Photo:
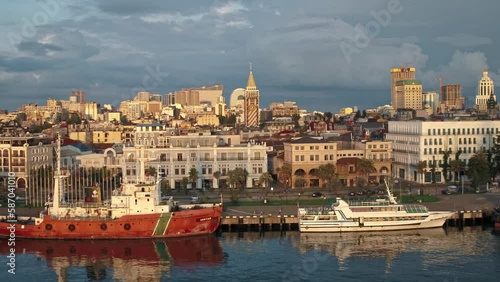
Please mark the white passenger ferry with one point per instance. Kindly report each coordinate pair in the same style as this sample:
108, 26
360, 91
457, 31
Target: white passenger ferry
379, 215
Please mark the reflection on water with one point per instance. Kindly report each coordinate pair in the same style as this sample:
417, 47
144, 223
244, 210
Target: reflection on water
436, 246
123, 260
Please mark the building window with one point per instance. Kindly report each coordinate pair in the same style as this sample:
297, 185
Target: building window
311, 157
240, 156
302, 158
425, 141
223, 156
179, 156
297, 158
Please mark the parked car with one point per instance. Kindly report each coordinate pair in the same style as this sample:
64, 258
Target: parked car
446, 192
195, 199
317, 194
352, 193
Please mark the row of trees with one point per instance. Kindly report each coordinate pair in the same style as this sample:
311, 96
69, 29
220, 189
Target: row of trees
482, 167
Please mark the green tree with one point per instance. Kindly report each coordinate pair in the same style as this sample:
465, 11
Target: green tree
184, 184
295, 119
477, 169
266, 179
446, 165
328, 115
165, 187
300, 182
363, 115
327, 174
433, 169
237, 177
193, 177
365, 167
360, 182
285, 173
358, 115
456, 166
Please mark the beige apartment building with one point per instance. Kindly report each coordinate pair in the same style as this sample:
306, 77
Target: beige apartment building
20, 155
408, 94
306, 154
398, 74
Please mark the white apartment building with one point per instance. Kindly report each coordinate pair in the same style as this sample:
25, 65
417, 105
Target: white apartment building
157, 146
415, 141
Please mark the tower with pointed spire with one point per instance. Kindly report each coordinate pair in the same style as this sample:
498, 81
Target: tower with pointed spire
485, 91
251, 102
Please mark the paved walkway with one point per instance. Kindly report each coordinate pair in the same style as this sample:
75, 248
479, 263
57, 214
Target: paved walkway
446, 203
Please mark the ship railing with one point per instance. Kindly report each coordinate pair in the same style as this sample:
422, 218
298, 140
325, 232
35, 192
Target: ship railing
416, 209
315, 210
366, 203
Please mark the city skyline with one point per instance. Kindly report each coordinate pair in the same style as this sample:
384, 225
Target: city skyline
112, 49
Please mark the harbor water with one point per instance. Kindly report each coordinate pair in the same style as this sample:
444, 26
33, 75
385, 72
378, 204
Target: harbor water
452, 254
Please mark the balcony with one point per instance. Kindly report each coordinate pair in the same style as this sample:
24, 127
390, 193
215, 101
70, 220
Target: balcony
207, 159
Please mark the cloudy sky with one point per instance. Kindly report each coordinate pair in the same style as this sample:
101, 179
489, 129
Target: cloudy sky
324, 55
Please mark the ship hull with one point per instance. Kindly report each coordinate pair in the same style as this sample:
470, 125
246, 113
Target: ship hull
327, 226
157, 225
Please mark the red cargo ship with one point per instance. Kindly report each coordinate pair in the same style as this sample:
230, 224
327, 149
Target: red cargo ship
131, 260
136, 211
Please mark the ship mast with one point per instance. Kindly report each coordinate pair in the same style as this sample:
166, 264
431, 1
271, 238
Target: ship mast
57, 178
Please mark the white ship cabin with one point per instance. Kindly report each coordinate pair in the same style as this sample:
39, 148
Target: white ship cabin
139, 198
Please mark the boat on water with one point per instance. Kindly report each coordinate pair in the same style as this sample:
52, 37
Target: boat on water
137, 210
379, 215
124, 260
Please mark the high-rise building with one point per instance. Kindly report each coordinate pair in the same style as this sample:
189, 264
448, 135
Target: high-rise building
79, 96
398, 74
408, 94
485, 89
452, 97
251, 102
142, 96
197, 96
430, 101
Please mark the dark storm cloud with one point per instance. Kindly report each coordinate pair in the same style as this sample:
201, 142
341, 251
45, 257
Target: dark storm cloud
37, 49
106, 47
134, 7
27, 64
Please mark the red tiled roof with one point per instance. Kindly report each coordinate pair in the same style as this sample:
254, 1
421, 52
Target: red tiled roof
345, 161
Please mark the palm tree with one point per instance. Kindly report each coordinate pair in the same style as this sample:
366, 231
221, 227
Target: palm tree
456, 167
217, 175
421, 167
266, 179
184, 184
285, 173
365, 166
237, 177
327, 174
193, 177
300, 182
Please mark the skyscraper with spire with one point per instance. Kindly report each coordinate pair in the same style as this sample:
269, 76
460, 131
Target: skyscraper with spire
251, 102
485, 90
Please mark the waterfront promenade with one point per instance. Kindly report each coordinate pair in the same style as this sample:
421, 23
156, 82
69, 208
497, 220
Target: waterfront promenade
455, 202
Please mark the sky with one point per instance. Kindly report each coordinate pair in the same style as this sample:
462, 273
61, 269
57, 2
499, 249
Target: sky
322, 54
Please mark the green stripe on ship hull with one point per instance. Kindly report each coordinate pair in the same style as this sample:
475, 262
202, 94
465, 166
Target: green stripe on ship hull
162, 224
